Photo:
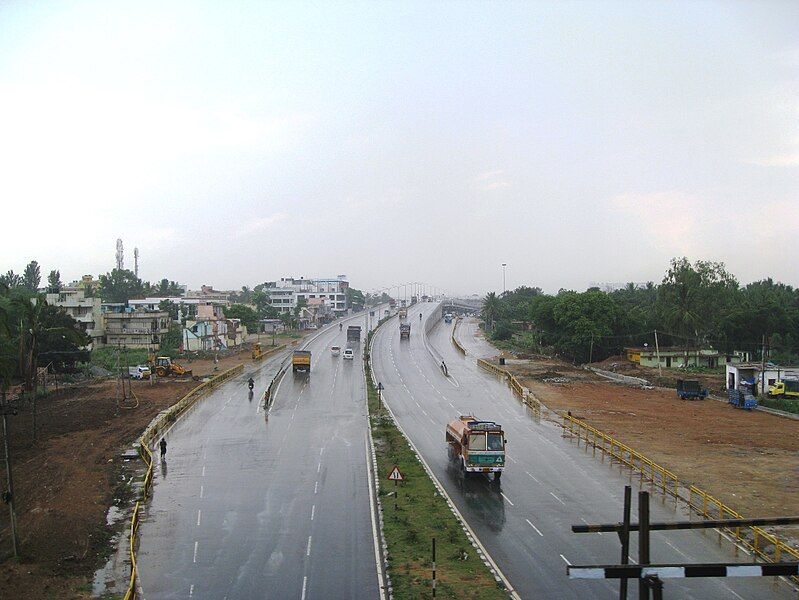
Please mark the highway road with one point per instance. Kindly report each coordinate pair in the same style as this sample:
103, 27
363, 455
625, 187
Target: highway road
549, 483
267, 504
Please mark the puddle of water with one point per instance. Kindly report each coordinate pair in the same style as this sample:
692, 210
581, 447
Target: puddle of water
114, 514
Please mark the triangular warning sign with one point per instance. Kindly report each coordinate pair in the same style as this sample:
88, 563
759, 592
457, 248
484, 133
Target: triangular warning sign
395, 475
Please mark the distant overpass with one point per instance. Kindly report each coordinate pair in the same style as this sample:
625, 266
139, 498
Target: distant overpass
467, 305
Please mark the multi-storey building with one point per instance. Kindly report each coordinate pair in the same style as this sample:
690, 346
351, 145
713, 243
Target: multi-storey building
285, 294
86, 311
134, 328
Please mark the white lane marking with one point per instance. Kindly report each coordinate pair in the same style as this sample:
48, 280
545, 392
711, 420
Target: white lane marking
531, 477
313, 511
203, 471
586, 522
534, 527
199, 516
565, 560
195, 550
506, 498
308, 548
424, 411
558, 499
319, 466
315, 487
321, 450
191, 590
513, 460
304, 583
202, 491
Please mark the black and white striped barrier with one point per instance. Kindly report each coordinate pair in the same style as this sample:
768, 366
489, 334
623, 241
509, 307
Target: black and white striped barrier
784, 569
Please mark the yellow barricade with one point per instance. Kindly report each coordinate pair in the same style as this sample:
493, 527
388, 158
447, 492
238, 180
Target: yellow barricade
455, 342
154, 429
765, 545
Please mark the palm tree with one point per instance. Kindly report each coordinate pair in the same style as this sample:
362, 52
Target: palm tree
492, 306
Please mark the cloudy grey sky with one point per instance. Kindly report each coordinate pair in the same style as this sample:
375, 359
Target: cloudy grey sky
234, 143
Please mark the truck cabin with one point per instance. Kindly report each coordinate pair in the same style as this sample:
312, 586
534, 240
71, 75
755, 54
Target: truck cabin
484, 436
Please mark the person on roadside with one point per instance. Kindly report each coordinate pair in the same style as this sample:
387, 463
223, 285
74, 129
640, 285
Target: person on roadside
163, 448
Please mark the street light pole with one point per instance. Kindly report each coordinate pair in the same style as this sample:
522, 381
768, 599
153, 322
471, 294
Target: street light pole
503, 278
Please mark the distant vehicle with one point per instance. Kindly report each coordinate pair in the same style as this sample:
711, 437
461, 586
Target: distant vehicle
405, 331
403, 313
688, 389
312, 326
354, 333
349, 354
480, 445
448, 318
139, 372
335, 350
788, 388
301, 361
163, 367
741, 399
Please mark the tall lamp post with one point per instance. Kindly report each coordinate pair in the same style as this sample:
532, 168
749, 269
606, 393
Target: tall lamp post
503, 278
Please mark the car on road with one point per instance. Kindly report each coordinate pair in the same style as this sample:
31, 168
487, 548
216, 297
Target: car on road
335, 350
349, 354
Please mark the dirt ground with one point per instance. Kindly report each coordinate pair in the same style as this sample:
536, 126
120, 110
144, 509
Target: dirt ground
747, 459
65, 482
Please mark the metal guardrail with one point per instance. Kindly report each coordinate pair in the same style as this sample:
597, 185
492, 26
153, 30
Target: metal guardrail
455, 342
154, 429
522, 392
762, 543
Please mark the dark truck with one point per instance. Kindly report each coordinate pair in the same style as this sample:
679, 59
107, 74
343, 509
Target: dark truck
354, 333
688, 389
405, 331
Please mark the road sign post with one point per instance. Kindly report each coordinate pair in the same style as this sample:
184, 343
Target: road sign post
395, 476
380, 389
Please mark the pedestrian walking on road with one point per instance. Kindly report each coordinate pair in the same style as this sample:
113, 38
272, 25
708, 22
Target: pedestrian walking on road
163, 448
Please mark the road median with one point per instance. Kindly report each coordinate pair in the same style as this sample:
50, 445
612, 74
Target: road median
416, 511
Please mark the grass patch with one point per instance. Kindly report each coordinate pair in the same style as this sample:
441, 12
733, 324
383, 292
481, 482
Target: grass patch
787, 404
106, 357
421, 515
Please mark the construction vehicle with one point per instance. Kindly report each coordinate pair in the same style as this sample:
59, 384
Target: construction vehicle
740, 399
788, 388
479, 445
354, 333
688, 389
164, 367
301, 361
405, 331
403, 313
257, 351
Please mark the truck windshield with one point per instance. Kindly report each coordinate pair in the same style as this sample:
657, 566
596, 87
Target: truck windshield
477, 441
495, 441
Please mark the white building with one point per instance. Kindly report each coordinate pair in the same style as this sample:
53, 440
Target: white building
86, 311
286, 293
755, 376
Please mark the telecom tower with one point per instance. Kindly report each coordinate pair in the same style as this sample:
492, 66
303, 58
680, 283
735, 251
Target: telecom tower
120, 256
136, 262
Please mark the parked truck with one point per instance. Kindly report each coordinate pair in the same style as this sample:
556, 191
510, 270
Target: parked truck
741, 399
405, 331
354, 333
403, 313
788, 388
139, 372
688, 389
478, 445
301, 361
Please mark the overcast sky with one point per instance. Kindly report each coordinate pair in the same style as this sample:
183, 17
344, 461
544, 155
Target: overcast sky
234, 143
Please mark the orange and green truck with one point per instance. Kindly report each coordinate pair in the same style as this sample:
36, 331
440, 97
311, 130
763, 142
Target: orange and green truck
479, 445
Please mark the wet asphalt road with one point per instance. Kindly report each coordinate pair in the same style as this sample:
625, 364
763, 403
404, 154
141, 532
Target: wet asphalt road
267, 504
548, 485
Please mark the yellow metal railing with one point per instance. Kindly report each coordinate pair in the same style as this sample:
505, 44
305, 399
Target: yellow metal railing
764, 544
455, 341
522, 392
154, 429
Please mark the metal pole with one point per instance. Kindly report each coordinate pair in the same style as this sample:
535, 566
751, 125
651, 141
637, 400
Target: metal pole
643, 541
624, 535
434, 567
10, 497
657, 353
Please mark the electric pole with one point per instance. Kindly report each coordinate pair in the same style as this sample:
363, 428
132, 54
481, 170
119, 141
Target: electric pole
8, 495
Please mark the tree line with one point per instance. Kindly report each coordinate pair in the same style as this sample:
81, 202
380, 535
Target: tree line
696, 305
